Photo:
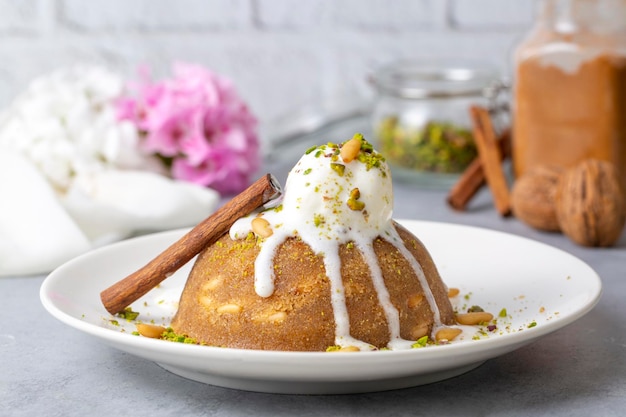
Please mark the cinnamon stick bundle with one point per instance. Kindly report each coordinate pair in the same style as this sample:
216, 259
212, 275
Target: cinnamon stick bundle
123, 293
487, 167
491, 159
473, 178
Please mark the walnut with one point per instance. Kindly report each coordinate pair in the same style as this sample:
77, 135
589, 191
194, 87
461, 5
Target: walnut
533, 197
591, 204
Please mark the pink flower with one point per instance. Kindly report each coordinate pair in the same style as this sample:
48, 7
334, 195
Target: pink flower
198, 125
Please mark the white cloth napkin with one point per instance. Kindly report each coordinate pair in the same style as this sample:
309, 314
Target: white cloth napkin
41, 229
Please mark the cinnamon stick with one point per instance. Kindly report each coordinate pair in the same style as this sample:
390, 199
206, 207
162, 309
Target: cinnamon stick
473, 178
491, 159
125, 292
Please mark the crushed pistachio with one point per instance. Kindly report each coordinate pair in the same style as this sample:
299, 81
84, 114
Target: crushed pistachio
128, 314
334, 348
502, 313
532, 324
421, 342
311, 149
338, 168
171, 336
366, 146
318, 220
355, 204
475, 309
308, 171
371, 160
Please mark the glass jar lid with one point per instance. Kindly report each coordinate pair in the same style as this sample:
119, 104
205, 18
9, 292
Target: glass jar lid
433, 79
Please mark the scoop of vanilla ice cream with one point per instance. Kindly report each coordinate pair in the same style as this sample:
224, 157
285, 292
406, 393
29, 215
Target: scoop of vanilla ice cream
331, 193
335, 194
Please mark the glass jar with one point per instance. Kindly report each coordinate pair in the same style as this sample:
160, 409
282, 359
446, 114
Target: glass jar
421, 121
570, 86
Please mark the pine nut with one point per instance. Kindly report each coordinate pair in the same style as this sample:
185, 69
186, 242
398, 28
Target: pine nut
150, 330
229, 309
418, 331
261, 227
277, 317
472, 319
350, 150
349, 349
213, 283
206, 301
415, 300
447, 333
453, 292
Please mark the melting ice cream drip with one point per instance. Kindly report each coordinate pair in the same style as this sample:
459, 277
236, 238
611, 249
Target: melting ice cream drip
391, 312
331, 198
395, 239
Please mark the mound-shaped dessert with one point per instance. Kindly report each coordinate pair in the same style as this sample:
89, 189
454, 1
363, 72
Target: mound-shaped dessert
326, 267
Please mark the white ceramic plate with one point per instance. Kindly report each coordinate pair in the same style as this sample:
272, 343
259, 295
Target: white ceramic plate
542, 289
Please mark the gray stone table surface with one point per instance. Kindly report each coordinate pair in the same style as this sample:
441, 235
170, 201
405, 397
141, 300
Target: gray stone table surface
50, 369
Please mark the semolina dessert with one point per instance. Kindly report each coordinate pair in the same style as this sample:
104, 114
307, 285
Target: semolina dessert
325, 268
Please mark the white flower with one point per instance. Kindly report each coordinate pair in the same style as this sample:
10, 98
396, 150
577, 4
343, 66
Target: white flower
65, 123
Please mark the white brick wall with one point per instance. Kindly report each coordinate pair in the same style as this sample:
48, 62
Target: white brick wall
493, 14
19, 17
156, 15
283, 55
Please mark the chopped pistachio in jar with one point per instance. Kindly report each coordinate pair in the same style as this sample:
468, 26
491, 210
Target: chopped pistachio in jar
440, 147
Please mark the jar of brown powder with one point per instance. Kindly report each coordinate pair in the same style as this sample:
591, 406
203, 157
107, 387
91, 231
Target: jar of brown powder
570, 86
